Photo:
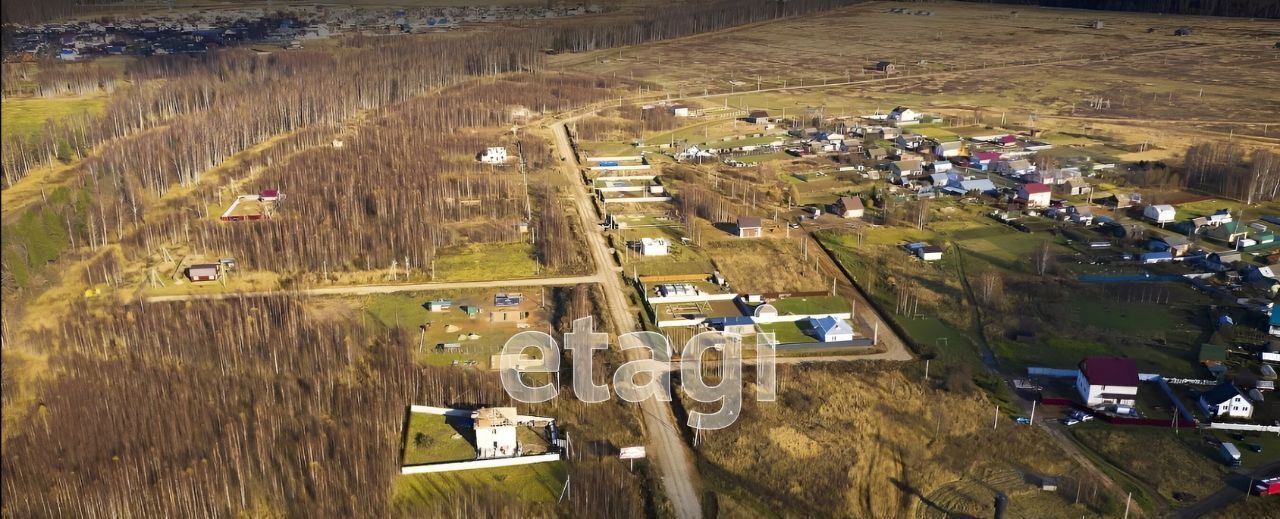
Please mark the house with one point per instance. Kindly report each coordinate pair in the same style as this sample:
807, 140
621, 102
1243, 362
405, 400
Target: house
439, 305
909, 141
904, 115
907, 168
1108, 380
654, 246
925, 252
1176, 244
1225, 399
973, 185
1013, 168
203, 272
1219, 218
1082, 215
680, 110
885, 66
1118, 201
750, 227
1159, 213
493, 155
757, 117
875, 153
849, 207
495, 429
1075, 186
1228, 233
831, 329
941, 166
1225, 258
1034, 194
949, 149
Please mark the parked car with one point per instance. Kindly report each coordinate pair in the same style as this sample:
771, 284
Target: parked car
1254, 447
1023, 420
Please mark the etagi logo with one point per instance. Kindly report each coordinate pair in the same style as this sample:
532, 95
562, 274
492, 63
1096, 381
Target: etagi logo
641, 378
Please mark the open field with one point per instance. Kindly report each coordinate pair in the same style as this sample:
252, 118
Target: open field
766, 265
537, 483
27, 115
473, 338
475, 262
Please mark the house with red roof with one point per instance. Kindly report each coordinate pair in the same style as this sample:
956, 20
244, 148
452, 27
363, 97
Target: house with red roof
1108, 380
1035, 194
982, 160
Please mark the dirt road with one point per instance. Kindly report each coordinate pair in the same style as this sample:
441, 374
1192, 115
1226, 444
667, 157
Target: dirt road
663, 435
384, 289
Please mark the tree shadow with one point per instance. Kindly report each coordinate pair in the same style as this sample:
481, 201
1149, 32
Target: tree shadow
911, 491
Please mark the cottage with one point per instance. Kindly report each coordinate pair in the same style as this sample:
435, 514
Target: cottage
1228, 233
654, 246
1075, 187
495, 429
750, 227
941, 166
1108, 380
909, 141
757, 117
903, 115
885, 66
1034, 195
973, 185
203, 272
949, 149
1013, 168
875, 153
925, 252
1118, 201
493, 155
907, 168
1159, 213
1175, 244
849, 207
1227, 400
831, 329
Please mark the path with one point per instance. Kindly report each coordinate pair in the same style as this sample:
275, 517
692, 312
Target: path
384, 289
665, 446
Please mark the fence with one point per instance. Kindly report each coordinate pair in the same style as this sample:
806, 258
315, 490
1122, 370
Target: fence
1117, 420
1052, 372
1244, 427
479, 464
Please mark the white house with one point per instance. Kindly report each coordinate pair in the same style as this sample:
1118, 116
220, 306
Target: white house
926, 252
903, 114
831, 329
494, 155
1014, 168
1035, 194
495, 429
1159, 213
949, 149
1108, 380
850, 207
654, 246
1226, 399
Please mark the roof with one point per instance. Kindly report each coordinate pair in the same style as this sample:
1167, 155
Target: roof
736, 320
1163, 207
1221, 393
758, 113
977, 184
494, 417
202, 267
747, 222
953, 145
1173, 240
910, 164
929, 249
1019, 164
988, 155
850, 202
1035, 187
828, 324
1075, 182
1110, 371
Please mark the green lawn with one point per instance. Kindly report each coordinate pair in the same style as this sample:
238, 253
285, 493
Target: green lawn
1124, 317
811, 305
483, 262
786, 333
24, 116
439, 442
537, 483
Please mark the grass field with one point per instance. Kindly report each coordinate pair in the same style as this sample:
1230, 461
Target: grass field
439, 441
766, 265
788, 332
536, 483
479, 262
477, 336
24, 116
1165, 462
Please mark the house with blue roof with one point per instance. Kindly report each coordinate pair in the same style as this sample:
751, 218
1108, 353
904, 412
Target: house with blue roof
831, 329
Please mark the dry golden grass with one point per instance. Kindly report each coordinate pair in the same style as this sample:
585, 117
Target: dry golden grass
767, 264
870, 441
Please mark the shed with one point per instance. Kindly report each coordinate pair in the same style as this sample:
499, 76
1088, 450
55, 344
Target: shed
203, 272
850, 207
750, 227
439, 305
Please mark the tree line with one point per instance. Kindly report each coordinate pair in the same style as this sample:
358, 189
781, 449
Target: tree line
1236, 8
1227, 169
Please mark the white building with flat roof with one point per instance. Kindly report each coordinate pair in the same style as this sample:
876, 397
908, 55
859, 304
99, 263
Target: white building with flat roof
495, 429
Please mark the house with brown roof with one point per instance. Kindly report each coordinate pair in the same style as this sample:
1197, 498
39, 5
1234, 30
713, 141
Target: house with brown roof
1108, 380
750, 227
849, 207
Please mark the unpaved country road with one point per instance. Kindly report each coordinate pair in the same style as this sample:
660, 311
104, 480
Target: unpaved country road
383, 289
665, 446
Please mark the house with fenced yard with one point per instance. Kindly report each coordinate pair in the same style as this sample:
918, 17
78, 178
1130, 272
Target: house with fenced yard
1108, 380
831, 329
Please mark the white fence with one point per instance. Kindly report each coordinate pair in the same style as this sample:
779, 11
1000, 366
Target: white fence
637, 199
479, 464
794, 318
1244, 427
622, 158
637, 167
625, 178
691, 298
